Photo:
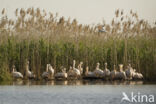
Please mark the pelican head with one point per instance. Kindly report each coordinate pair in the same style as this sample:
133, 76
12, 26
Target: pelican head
64, 69
98, 64
81, 63
134, 70
13, 66
70, 68
27, 62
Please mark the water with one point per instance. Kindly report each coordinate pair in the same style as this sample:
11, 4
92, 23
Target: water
71, 92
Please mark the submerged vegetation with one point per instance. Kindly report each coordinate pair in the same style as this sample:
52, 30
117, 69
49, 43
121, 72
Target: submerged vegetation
45, 38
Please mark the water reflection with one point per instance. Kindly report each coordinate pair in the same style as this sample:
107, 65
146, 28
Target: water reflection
74, 82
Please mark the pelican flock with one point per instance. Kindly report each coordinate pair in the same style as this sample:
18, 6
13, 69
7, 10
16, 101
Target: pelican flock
77, 72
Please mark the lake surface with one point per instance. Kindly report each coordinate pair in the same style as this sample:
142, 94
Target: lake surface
72, 92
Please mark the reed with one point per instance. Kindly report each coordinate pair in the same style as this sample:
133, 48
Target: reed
45, 38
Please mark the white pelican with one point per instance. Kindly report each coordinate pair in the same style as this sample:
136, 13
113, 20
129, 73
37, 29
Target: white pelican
45, 74
121, 74
76, 71
70, 72
80, 67
50, 70
98, 72
89, 73
61, 75
106, 71
16, 74
129, 72
137, 75
113, 73
29, 74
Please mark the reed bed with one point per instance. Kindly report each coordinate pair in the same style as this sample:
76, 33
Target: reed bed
43, 38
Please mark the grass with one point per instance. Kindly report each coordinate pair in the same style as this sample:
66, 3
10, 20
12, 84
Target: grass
45, 38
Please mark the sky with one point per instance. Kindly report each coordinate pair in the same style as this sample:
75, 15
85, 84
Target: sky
86, 11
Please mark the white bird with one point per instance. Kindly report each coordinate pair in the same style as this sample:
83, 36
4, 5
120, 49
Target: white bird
29, 74
70, 72
80, 67
45, 74
51, 70
113, 73
76, 72
16, 74
121, 74
89, 73
98, 72
61, 75
137, 75
129, 72
106, 71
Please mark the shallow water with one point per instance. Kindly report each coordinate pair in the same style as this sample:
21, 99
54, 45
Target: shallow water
72, 92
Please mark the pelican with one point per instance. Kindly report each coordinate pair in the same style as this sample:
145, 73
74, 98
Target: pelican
129, 72
45, 74
80, 67
61, 75
137, 75
76, 72
29, 74
106, 71
121, 74
70, 72
89, 73
50, 71
98, 72
16, 74
113, 74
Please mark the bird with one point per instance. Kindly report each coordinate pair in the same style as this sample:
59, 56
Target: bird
113, 73
80, 68
101, 29
129, 72
88, 73
98, 72
61, 75
106, 71
16, 74
51, 71
46, 74
29, 74
137, 75
70, 72
76, 72
121, 74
